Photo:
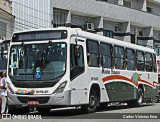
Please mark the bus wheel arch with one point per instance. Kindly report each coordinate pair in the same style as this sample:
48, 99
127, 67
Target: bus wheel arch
96, 87
139, 100
94, 99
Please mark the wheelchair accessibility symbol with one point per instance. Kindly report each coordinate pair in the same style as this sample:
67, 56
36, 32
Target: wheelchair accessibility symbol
38, 75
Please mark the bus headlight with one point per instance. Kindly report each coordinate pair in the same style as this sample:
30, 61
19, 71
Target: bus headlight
61, 87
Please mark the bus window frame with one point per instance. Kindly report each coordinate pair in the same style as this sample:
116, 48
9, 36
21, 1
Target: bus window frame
89, 54
124, 59
138, 60
111, 54
154, 63
134, 59
75, 68
149, 62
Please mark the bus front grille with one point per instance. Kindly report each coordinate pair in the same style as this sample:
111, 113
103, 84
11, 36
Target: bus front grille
41, 100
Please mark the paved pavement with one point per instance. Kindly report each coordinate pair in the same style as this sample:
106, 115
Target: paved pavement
148, 112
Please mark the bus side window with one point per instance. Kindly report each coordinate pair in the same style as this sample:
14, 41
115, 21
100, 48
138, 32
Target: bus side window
106, 55
119, 57
140, 60
154, 63
149, 62
76, 60
130, 59
93, 53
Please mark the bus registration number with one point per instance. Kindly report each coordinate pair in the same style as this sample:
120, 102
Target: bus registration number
33, 103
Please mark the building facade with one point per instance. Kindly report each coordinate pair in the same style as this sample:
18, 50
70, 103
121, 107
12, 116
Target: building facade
6, 20
32, 14
134, 21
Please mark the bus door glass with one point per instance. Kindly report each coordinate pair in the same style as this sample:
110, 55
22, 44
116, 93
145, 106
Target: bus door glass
76, 60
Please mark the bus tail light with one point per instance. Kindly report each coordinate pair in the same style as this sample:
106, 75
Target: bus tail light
60, 88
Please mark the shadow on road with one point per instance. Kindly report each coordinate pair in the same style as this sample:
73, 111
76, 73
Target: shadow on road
77, 112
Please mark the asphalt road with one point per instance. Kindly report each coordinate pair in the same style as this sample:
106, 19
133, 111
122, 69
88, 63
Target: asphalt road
114, 113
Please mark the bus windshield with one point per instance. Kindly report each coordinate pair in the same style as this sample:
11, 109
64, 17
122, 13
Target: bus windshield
44, 61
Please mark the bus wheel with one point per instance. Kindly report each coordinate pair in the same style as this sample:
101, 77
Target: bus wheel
154, 99
43, 110
139, 100
93, 100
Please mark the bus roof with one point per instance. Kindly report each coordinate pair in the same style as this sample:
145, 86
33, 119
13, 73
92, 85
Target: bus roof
113, 41
79, 32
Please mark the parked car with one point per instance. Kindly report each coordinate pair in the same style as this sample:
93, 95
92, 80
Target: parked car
156, 99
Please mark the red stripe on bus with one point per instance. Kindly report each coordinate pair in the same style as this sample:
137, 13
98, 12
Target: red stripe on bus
116, 77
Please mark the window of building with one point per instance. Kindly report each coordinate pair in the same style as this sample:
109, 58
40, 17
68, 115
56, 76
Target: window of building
140, 33
103, 0
140, 61
149, 9
130, 59
149, 62
127, 3
106, 55
60, 17
119, 57
92, 53
108, 33
133, 38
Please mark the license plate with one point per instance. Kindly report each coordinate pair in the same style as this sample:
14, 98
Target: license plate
33, 102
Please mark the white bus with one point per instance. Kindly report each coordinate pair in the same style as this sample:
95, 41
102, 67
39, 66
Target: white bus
70, 67
3, 55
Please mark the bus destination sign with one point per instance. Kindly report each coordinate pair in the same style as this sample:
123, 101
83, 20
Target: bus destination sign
39, 35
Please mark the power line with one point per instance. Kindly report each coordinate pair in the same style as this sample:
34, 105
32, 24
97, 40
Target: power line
32, 8
19, 23
23, 25
40, 20
29, 15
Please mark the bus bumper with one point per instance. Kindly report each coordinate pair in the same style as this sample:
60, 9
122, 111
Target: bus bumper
63, 99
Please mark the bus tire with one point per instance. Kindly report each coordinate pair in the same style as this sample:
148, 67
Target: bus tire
139, 101
43, 111
154, 99
93, 100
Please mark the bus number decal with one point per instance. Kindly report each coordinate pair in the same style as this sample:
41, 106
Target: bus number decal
94, 78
